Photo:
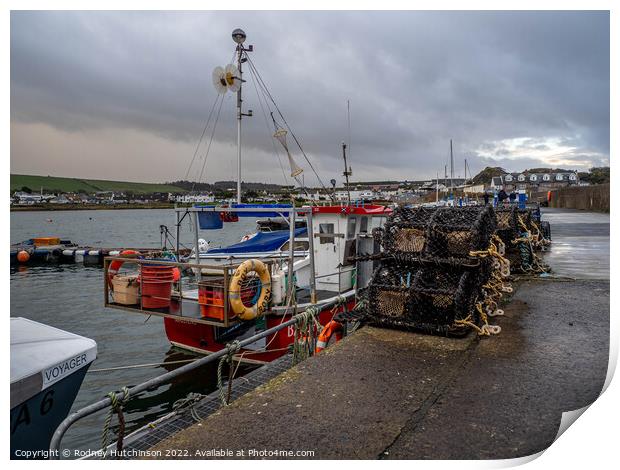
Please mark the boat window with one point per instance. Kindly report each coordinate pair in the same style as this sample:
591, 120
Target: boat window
326, 228
300, 245
364, 225
351, 227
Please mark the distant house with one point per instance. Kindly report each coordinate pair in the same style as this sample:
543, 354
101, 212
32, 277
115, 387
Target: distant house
497, 183
533, 181
194, 198
60, 199
26, 199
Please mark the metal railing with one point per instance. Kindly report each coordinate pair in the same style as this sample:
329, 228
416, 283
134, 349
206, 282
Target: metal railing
156, 382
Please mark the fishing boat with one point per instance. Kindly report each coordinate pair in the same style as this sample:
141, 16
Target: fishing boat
301, 260
48, 366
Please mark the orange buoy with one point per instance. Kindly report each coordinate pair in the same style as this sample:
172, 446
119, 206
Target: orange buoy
332, 328
176, 274
23, 256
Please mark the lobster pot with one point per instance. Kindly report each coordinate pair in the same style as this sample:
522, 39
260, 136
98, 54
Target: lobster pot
509, 229
428, 279
506, 225
526, 216
433, 301
454, 232
387, 305
404, 234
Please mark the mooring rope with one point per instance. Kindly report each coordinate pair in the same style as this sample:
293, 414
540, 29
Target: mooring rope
231, 348
304, 340
115, 407
138, 366
189, 402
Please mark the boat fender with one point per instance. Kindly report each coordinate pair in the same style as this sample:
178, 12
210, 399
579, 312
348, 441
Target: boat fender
117, 263
234, 290
333, 327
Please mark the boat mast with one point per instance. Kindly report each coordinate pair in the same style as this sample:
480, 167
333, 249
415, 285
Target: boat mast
239, 36
451, 168
347, 172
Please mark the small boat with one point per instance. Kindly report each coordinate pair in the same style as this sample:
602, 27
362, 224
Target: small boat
48, 366
299, 258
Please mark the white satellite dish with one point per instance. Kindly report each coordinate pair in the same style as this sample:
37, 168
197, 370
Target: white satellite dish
219, 80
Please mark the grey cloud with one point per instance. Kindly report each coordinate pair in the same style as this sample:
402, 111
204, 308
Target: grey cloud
414, 80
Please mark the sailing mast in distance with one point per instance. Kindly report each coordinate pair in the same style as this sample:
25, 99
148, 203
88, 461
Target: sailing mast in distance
451, 168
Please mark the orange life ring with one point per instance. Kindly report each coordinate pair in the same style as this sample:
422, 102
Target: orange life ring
117, 263
333, 327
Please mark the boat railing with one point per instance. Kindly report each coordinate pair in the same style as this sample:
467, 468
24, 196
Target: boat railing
154, 383
146, 287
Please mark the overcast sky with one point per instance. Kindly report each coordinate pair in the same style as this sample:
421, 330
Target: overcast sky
125, 95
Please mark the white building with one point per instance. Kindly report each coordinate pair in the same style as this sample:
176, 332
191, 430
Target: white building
193, 198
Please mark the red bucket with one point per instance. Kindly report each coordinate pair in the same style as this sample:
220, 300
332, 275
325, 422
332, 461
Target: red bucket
156, 281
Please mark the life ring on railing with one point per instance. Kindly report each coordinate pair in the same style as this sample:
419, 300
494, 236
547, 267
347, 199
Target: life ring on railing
117, 263
234, 290
333, 327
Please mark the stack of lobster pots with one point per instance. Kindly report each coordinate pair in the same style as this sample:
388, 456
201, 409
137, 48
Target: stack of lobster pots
522, 236
429, 279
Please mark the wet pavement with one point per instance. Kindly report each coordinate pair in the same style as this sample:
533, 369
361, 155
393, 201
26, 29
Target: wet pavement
580, 247
383, 394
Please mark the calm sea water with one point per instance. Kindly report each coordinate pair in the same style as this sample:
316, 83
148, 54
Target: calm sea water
70, 297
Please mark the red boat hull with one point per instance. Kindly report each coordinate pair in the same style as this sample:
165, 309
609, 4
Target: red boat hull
201, 338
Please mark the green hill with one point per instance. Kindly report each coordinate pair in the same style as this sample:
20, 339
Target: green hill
73, 185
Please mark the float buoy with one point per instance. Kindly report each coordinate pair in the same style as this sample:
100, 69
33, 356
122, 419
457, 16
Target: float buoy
176, 274
234, 291
23, 256
333, 327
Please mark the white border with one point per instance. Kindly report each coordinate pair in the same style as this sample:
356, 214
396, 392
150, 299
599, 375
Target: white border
592, 442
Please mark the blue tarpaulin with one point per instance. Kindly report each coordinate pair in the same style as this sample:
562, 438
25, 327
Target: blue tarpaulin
262, 206
262, 241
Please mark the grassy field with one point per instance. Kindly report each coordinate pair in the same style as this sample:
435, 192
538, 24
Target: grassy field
56, 184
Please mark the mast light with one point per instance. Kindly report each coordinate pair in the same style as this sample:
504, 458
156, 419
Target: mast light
238, 36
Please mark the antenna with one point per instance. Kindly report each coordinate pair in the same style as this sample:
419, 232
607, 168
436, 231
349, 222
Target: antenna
465, 181
346, 173
349, 125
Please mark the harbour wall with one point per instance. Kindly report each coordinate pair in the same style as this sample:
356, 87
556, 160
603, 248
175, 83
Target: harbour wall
589, 198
